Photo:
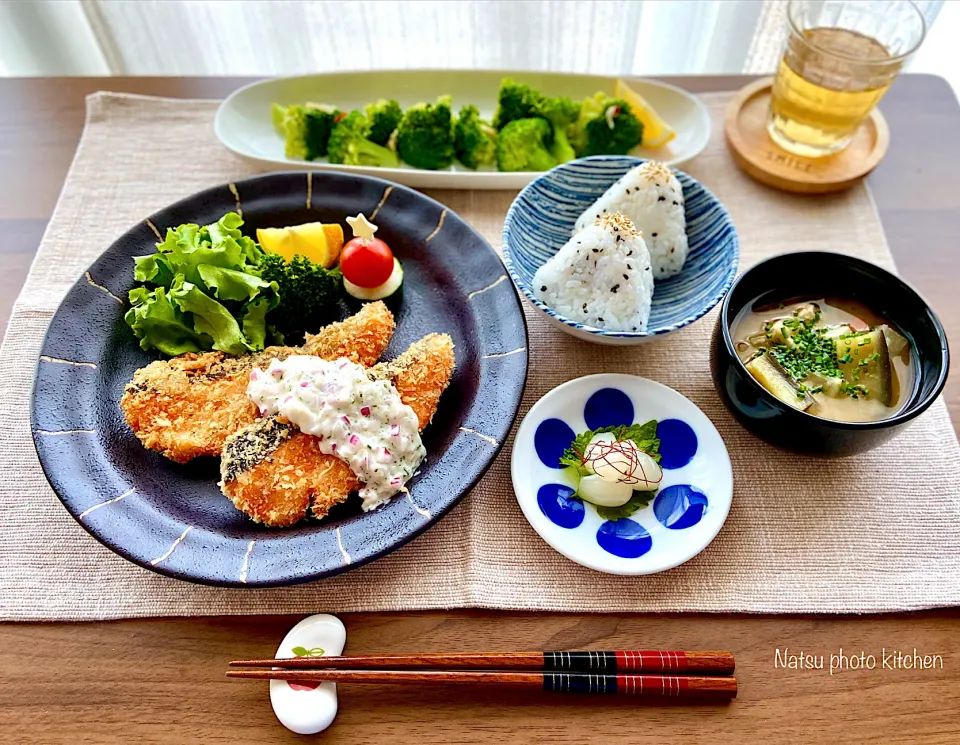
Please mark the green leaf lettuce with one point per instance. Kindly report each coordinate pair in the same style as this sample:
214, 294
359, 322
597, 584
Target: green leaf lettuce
229, 284
202, 290
209, 317
160, 324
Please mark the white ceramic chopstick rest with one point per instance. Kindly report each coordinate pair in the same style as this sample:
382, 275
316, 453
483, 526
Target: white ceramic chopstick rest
308, 708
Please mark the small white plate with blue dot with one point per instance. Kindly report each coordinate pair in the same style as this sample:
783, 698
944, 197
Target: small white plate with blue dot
689, 508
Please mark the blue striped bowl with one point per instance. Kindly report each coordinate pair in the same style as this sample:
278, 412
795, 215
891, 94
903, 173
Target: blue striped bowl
542, 217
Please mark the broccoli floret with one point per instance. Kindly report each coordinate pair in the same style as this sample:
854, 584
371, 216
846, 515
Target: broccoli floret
425, 135
384, 117
277, 114
561, 112
524, 145
321, 119
520, 101
306, 128
474, 140
515, 101
309, 295
349, 144
294, 128
606, 126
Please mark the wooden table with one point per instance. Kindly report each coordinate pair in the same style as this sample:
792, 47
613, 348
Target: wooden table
161, 680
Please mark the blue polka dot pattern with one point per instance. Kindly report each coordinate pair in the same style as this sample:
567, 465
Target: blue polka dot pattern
557, 502
552, 437
679, 506
608, 407
678, 443
676, 507
624, 538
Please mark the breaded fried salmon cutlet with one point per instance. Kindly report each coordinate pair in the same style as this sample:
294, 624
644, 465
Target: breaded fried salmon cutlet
276, 474
187, 406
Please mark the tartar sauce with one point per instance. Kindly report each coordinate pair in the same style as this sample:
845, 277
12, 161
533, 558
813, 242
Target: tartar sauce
359, 420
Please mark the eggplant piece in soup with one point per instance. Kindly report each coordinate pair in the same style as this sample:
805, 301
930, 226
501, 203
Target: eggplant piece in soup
775, 379
831, 358
864, 361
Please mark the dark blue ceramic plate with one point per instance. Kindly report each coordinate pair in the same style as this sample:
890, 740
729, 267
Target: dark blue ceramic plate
172, 518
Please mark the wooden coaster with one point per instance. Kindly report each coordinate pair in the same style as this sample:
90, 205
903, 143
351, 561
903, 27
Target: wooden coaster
746, 130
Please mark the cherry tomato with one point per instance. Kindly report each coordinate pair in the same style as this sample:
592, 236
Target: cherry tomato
366, 263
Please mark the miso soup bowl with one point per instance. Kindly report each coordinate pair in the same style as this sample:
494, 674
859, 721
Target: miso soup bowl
817, 274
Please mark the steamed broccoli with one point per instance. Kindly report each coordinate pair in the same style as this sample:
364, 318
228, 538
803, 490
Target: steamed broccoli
291, 122
520, 101
277, 115
561, 112
474, 140
515, 101
350, 145
524, 145
384, 117
425, 135
306, 128
606, 126
309, 295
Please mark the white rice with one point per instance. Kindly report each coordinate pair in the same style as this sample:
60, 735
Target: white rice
601, 277
652, 198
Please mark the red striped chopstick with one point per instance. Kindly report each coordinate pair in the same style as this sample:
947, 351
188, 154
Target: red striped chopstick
645, 661
675, 686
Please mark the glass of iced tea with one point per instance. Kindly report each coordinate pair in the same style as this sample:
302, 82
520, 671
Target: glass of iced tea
841, 56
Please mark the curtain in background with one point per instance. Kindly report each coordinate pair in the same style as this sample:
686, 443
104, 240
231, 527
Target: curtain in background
48, 38
770, 35
282, 37
286, 37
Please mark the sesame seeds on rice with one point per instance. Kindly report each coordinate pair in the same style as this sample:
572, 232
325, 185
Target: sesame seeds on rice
652, 198
602, 277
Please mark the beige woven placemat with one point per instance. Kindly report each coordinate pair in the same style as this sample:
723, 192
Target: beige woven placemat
878, 533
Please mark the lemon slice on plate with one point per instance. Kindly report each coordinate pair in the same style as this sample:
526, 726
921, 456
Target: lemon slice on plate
319, 242
656, 132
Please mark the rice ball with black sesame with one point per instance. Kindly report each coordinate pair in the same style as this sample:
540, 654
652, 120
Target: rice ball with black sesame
602, 277
652, 198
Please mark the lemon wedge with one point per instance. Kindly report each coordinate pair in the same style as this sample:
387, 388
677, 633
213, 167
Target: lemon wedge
319, 242
656, 132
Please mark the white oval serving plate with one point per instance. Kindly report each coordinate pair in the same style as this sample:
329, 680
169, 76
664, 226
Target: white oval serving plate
243, 123
689, 509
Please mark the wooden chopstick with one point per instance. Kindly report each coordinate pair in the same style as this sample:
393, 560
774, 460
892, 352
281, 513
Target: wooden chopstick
646, 661
675, 686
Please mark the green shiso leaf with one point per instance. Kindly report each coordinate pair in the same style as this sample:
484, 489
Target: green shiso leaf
644, 437
638, 501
